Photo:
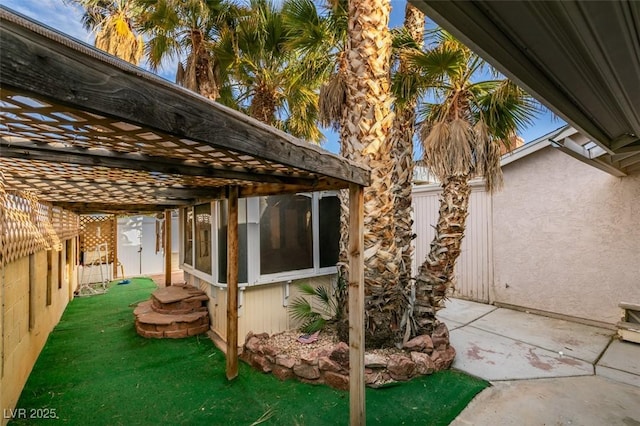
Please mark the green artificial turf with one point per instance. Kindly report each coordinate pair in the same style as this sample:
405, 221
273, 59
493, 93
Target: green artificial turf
95, 369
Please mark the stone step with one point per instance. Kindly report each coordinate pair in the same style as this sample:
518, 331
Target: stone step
150, 323
179, 299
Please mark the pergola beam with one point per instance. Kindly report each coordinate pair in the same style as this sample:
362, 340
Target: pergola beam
140, 162
86, 208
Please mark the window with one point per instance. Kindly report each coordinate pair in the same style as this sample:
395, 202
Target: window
280, 238
329, 232
286, 236
188, 237
203, 237
223, 209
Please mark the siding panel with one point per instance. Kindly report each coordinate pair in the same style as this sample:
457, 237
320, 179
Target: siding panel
473, 269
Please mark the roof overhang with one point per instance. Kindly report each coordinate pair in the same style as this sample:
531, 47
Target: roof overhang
92, 133
580, 58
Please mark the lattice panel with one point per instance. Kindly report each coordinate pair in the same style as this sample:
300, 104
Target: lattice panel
26, 119
96, 230
26, 225
71, 182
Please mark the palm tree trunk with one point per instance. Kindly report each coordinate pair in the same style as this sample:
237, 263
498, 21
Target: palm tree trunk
402, 154
436, 275
364, 134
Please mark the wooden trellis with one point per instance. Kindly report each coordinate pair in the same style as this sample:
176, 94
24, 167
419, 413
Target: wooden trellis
96, 230
28, 226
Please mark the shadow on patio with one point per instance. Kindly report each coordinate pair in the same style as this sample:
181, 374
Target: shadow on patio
96, 370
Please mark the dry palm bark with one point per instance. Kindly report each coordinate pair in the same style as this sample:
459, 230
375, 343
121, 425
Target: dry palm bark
366, 126
436, 274
402, 153
117, 38
199, 73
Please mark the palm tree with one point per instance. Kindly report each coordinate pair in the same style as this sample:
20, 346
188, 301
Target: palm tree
187, 29
461, 134
365, 127
114, 23
402, 133
272, 82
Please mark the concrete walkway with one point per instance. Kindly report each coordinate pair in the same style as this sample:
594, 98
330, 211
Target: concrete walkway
543, 371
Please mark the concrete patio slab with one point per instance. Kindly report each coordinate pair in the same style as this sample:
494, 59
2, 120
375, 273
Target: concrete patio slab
563, 401
462, 311
572, 339
493, 357
621, 362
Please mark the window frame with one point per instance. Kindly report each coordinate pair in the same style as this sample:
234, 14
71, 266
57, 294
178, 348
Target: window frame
254, 276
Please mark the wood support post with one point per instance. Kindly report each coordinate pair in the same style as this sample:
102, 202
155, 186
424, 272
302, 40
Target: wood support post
232, 284
167, 248
356, 306
115, 247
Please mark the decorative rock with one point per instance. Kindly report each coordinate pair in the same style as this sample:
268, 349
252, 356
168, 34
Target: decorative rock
375, 361
260, 363
282, 373
420, 343
268, 350
325, 364
336, 381
424, 363
173, 312
340, 354
253, 344
437, 359
448, 356
309, 359
306, 371
400, 367
285, 361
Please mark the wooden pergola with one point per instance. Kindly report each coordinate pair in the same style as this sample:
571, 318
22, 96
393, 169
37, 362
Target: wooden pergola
93, 134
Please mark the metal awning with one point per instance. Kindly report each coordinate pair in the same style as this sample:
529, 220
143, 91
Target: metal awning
580, 58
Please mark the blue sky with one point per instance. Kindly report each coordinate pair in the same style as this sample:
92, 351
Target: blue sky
67, 18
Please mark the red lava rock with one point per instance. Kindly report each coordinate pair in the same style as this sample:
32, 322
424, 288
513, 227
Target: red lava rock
325, 364
424, 363
306, 371
421, 343
282, 373
336, 381
400, 367
340, 354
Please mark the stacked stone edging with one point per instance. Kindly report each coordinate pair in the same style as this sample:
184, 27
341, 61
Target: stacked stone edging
173, 312
422, 355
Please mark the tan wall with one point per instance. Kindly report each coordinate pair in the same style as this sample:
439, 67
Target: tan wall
566, 237
21, 344
262, 306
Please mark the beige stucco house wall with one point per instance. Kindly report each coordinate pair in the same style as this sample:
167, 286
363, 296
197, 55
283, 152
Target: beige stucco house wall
566, 237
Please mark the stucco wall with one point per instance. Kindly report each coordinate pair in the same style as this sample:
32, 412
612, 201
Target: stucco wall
22, 343
262, 307
566, 237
